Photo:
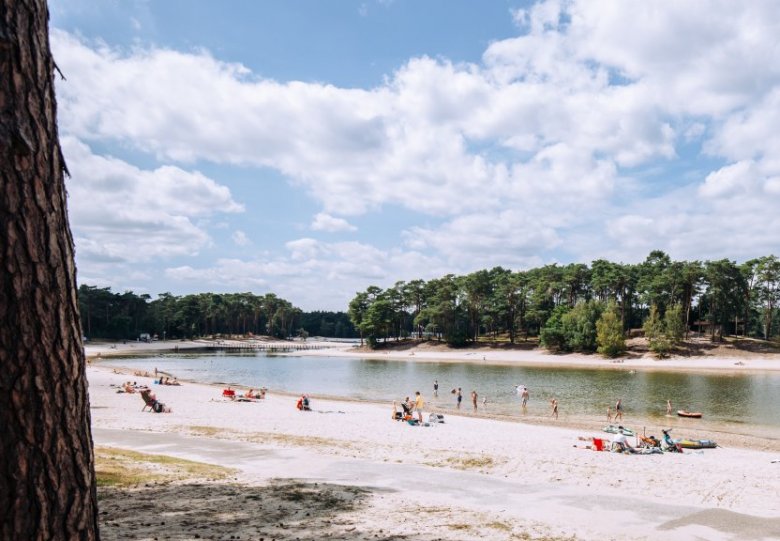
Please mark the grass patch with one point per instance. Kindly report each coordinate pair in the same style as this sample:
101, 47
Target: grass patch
498, 525
210, 431
319, 497
271, 438
120, 467
480, 463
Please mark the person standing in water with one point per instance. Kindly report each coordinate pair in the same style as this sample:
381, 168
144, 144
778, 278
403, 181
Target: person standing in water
554, 406
474, 400
459, 397
618, 410
524, 395
436, 387
668, 408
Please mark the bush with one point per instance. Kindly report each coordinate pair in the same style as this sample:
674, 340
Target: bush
552, 335
572, 329
655, 331
609, 333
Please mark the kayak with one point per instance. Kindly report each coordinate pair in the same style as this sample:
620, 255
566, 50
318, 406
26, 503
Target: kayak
692, 414
696, 444
614, 429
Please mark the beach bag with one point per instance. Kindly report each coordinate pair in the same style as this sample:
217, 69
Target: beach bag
398, 416
158, 407
436, 418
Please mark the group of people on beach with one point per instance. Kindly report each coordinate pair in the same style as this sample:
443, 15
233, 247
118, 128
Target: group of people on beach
409, 408
131, 387
250, 395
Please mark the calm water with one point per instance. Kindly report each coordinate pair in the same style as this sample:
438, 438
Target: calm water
740, 399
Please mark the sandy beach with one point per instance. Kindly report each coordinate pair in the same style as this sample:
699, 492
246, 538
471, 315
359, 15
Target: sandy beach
347, 471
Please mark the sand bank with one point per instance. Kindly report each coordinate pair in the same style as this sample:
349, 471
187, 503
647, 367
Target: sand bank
468, 478
730, 361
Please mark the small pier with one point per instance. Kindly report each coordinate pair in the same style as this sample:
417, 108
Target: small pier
269, 348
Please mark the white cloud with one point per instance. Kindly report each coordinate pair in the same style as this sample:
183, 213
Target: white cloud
326, 222
240, 238
121, 213
541, 147
731, 180
314, 274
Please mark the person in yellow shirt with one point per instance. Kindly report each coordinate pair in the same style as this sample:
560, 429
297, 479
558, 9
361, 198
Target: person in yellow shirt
418, 405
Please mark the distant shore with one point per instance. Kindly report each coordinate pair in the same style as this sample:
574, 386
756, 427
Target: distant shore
720, 360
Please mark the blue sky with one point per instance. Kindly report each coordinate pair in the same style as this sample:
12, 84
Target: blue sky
311, 149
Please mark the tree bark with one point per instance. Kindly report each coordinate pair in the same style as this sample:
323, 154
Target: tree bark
47, 479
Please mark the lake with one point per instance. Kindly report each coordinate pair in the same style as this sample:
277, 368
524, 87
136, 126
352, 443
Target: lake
735, 400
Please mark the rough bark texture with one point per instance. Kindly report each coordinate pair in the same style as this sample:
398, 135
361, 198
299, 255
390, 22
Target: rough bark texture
47, 480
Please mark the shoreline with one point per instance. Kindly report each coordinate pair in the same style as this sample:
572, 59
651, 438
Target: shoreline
726, 436
528, 477
539, 358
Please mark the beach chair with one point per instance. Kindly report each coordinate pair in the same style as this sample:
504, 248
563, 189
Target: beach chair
153, 404
149, 402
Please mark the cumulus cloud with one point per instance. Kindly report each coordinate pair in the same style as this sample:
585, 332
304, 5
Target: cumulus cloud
326, 222
121, 213
537, 149
299, 274
240, 238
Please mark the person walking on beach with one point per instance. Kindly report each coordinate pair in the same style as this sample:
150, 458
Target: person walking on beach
474, 400
459, 397
619, 410
554, 406
668, 408
436, 387
418, 405
524, 395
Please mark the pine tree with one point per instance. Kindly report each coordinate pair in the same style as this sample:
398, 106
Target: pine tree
655, 332
609, 333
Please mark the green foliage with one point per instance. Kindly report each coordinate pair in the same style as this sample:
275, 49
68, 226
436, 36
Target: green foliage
609, 332
572, 329
674, 328
580, 326
553, 334
655, 332
105, 314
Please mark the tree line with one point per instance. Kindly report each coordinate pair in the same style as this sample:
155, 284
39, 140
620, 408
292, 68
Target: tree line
561, 304
105, 314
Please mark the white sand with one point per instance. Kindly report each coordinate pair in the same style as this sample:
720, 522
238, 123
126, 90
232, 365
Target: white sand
507, 476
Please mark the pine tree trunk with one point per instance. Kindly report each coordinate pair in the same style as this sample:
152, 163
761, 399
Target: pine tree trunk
47, 480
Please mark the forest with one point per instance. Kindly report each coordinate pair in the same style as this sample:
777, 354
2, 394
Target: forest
566, 306
125, 316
